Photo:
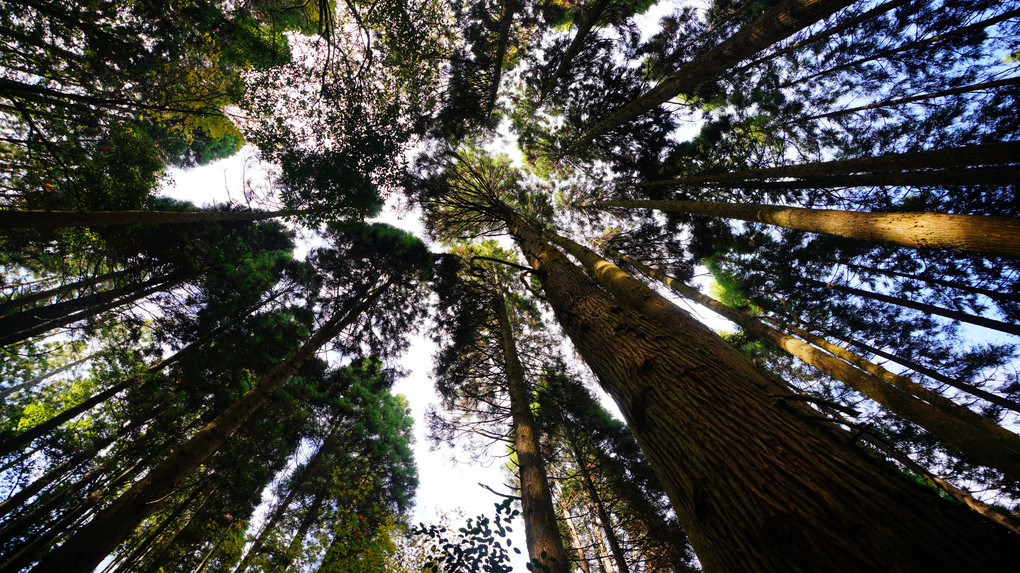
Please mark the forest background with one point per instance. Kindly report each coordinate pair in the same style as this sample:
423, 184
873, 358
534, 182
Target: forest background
183, 392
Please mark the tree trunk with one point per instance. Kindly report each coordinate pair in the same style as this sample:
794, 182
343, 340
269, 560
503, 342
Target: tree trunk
994, 175
925, 308
506, 21
568, 520
779, 22
311, 514
995, 295
93, 542
600, 510
30, 383
143, 546
921, 97
24, 325
756, 485
10, 219
591, 17
1006, 153
37, 296
545, 547
975, 435
977, 234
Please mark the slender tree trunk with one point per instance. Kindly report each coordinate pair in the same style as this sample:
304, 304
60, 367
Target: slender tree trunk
977, 234
10, 219
143, 547
22, 326
907, 47
926, 308
95, 540
933, 374
777, 23
756, 485
506, 21
307, 521
995, 175
30, 383
568, 520
600, 510
921, 97
545, 547
995, 295
591, 17
33, 297
157, 562
599, 544
975, 435
1005, 153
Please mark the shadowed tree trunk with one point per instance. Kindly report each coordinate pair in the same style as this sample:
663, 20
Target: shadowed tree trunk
600, 509
591, 17
977, 234
93, 542
10, 219
755, 484
33, 297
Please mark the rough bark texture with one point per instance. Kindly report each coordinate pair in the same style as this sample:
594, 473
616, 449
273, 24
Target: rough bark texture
87, 548
541, 530
756, 486
55, 219
990, 236
975, 435
782, 20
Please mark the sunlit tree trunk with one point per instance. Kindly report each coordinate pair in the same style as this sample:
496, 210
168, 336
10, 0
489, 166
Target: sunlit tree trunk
977, 234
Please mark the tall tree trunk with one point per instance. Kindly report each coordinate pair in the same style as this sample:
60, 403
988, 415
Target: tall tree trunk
1005, 153
311, 514
545, 547
995, 295
921, 97
994, 175
755, 484
136, 554
506, 20
993, 324
10, 219
777, 23
568, 520
30, 383
25, 325
33, 297
977, 234
975, 435
82, 552
600, 509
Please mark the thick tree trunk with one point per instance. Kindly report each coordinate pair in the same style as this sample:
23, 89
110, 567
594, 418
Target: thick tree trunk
82, 552
10, 219
822, 172
545, 547
981, 235
756, 485
993, 324
779, 22
921, 97
975, 435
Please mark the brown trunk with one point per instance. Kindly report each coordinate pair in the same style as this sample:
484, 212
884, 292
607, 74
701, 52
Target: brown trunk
975, 435
30, 383
757, 486
925, 308
1006, 153
93, 542
568, 520
921, 97
996, 295
33, 297
10, 219
311, 514
600, 509
989, 236
933, 374
143, 547
506, 20
541, 530
995, 175
907, 47
784, 19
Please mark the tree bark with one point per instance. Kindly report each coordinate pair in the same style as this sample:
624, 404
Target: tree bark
784, 19
36, 296
591, 17
977, 234
90, 544
542, 533
977, 436
10, 219
756, 485
600, 509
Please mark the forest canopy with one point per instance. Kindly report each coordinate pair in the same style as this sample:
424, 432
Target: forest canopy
837, 180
